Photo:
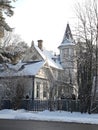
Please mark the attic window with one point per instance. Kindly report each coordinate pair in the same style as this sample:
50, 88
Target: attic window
34, 57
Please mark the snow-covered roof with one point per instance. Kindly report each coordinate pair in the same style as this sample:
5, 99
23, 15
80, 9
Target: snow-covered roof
29, 68
67, 42
48, 57
40, 52
51, 62
68, 38
24, 69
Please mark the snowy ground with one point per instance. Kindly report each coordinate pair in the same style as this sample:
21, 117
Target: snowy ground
49, 116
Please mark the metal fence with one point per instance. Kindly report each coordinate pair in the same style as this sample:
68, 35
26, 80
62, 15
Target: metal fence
52, 105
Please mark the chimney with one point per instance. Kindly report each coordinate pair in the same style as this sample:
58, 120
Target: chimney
32, 44
40, 44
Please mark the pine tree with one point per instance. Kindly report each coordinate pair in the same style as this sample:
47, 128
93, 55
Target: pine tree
5, 8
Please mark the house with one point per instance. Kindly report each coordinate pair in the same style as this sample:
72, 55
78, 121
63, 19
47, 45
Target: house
25, 74
35, 75
43, 74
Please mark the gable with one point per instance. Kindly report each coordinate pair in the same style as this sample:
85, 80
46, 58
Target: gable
42, 73
32, 55
35, 54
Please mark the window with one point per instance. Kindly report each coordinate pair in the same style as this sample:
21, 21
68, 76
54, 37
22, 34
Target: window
65, 53
38, 90
44, 90
34, 57
72, 52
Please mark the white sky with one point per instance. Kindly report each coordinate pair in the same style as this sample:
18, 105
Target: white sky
43, 19
62, 116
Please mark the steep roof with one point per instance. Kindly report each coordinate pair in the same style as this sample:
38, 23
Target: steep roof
30, 68
48, 57
67, 34
68, 38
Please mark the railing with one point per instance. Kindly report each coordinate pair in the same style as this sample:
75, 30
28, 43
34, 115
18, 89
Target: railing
40, 105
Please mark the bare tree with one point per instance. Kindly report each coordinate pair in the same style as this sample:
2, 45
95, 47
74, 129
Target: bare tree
96, 50
12, 48
10, 39
87, 36
6, 39
15, 90
20, 92
61, 86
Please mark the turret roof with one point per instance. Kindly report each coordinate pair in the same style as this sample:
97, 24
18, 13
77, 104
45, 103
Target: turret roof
68, 38
68, 34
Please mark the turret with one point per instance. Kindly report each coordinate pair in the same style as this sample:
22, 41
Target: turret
68, 60
67, 49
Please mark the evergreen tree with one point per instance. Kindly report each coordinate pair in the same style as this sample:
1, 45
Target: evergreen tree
5, 8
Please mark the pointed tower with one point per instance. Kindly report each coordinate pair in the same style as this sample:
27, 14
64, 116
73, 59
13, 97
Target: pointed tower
68, 34
67, 49
68, 58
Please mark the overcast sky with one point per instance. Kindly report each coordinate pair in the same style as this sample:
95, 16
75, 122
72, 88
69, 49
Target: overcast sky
43, 19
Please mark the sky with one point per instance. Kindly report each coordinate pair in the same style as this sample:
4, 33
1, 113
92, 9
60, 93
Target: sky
43, 19
61, 116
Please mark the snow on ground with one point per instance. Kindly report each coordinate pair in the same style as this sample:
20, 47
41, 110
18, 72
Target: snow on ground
49, 116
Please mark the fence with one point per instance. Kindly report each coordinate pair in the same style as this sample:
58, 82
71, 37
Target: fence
52, 105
